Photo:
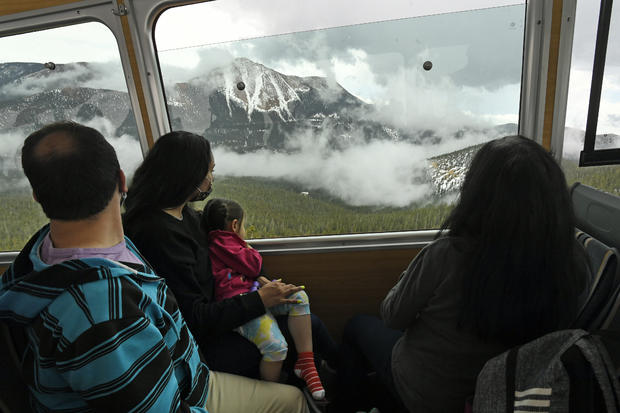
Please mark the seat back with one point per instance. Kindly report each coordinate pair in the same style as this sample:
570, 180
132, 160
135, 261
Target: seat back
609, 318
597, 213
13, 391
604, 286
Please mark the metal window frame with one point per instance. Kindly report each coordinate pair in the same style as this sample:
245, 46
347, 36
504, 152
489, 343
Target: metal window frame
589, 155
535, 61
536, 75
567, 31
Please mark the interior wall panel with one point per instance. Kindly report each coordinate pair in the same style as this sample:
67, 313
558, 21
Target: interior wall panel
342, 284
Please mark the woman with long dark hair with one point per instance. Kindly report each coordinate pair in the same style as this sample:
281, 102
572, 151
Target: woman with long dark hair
505, 270
178, 170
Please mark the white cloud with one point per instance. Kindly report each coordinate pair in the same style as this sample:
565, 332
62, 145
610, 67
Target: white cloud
11, 175
127, 147
412, 101
108, 75
357, 76
500, 118
379, 173
303, 68
579, 98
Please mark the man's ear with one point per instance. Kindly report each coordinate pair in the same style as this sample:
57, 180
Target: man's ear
34, 196
122, 181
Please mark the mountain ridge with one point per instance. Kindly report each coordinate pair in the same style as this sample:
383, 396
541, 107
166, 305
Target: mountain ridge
242, 105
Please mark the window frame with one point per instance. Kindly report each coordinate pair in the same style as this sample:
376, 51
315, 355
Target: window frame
142, 16
589, 155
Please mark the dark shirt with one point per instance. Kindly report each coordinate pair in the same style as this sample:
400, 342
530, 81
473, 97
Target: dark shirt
435, 363
175, 249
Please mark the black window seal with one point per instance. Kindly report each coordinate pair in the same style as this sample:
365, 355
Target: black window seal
591, 156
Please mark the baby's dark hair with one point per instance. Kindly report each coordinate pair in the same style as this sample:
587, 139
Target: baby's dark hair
218, 213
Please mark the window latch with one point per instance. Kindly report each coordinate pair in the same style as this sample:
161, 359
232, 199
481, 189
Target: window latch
121, 10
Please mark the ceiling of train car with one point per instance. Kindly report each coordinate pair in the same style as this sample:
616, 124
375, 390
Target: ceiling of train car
19, 6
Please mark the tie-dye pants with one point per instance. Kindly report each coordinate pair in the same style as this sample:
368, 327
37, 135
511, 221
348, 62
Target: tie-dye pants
265, 333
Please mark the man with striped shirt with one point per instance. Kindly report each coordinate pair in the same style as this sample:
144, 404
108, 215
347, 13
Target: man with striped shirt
102, 331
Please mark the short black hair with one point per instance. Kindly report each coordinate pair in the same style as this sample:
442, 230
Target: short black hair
72, 169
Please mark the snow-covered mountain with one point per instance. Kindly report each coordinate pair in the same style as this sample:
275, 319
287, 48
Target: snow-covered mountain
447, 172
243, 105
246, 106
32, 96
78, 103
10, 72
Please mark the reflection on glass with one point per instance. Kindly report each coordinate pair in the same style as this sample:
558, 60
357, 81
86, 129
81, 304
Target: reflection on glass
606, 178
83, 82
358, 128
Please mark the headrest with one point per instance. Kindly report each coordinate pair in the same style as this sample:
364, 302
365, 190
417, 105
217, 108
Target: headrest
597, 213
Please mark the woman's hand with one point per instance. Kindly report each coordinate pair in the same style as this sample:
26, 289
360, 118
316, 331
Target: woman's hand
275, 292
262, 280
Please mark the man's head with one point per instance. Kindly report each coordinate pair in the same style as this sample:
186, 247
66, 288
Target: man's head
72, 169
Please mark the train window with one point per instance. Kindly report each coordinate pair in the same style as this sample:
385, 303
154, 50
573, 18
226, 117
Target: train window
346, 117
73, 73
607, 127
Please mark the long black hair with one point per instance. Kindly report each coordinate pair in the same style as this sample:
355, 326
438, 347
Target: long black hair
218, 213
515, 213
171, 171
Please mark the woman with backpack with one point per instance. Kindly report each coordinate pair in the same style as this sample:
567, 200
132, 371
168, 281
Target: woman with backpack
504, 270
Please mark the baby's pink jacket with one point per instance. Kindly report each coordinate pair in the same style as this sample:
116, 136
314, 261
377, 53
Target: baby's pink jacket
234, 265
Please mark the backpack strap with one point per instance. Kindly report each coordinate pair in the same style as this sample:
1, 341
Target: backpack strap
611, 341
511, 372
585, 394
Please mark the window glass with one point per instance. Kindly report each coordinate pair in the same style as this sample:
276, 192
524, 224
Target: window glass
347, 118
68, 73
606, 178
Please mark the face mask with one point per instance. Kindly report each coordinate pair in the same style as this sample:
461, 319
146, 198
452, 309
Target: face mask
201, 196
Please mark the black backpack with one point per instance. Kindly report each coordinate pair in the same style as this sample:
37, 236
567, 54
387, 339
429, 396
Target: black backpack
566, 371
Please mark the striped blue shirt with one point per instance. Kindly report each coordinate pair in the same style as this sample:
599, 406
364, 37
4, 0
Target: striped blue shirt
101, 336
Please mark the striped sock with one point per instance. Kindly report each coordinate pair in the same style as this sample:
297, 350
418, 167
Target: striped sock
306, 369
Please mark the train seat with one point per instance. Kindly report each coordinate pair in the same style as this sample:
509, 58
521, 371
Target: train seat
597, 213
597, 216
13, 391
604, 286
